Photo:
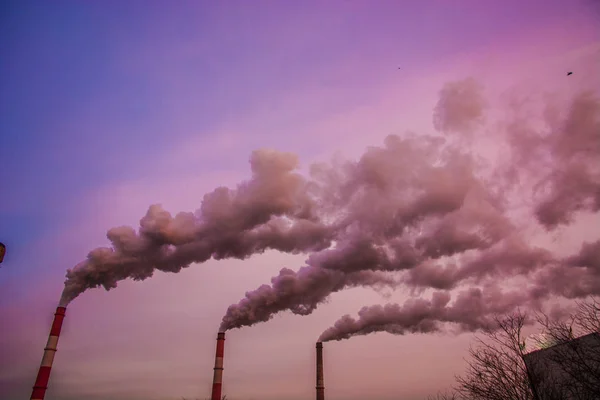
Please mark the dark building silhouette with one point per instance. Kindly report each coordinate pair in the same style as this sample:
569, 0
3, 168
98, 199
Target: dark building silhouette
566, 371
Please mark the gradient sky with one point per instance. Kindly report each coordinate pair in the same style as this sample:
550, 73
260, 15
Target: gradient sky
107, 107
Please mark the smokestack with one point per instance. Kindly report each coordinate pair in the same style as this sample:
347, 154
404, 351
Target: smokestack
320, 382
218, 376
41, 382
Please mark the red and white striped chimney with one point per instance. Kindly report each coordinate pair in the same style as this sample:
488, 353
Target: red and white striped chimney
41, 382
320, 381
218, 376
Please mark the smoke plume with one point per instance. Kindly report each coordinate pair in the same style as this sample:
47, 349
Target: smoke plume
577, 276
272, 210
421, 212
300, 292
428, 210
560, 161
473, 309
386, 209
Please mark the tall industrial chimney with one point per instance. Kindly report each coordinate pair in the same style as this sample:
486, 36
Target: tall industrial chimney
218, 376
320, 382
41, 382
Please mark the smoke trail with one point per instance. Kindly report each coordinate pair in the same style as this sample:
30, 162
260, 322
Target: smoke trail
510, 257
424, 206
300, 292
272, 210
389, 206
473, 309
577, 276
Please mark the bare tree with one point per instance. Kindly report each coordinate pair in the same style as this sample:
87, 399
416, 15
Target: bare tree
445, 396
496, 370
587, 316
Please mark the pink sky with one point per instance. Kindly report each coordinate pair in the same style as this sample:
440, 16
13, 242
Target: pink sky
156, 339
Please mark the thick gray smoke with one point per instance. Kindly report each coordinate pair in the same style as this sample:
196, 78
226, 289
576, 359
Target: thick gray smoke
425, 208
473, 309
574, 277
272, 210
300, 292
560, 161
421, 211
387, 209
508, 258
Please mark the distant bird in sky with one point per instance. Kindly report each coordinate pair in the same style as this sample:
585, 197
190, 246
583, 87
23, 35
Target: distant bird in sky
569, 73
2, 251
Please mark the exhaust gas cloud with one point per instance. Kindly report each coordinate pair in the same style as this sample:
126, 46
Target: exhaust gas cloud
421, 211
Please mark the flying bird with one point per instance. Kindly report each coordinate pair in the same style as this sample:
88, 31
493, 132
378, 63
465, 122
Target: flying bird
2, 251
569, 73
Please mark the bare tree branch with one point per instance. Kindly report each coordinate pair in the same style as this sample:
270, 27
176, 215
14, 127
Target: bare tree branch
496, 369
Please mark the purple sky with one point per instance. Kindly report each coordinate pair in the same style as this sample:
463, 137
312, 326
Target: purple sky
108, 107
